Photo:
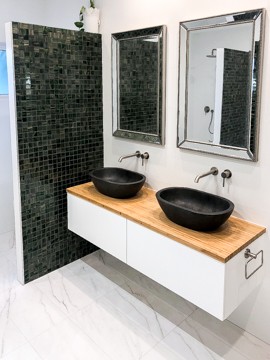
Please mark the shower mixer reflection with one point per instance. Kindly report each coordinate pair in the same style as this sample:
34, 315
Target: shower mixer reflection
206, 110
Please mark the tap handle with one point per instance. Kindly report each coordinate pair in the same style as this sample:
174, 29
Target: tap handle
226, 174
144, 156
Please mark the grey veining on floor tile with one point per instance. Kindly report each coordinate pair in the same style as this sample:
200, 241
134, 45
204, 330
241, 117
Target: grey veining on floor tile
145, 289
212, 331
97, 282
67, 290
175, 315
103, 263
10, 336
113, 331
138, 312
32, 311
180, 345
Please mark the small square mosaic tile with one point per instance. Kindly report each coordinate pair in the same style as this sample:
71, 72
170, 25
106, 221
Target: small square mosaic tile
58, 77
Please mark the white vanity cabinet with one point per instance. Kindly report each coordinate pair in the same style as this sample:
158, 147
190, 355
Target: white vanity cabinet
184, 261
215, 287
98, 226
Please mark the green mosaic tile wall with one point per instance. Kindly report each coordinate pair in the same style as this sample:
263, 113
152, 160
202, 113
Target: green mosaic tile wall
138, 76
60, 136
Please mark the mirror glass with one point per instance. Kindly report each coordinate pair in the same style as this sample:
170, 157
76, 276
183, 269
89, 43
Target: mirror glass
138, 80
219, 84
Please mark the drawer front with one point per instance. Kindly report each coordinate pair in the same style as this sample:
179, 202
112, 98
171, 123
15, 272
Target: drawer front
98, 226
190, 274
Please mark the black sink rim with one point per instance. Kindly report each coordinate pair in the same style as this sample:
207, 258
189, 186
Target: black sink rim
228, 210
143, 178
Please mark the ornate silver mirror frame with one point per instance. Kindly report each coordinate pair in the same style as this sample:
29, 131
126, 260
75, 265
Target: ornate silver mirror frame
138, 84
230, 130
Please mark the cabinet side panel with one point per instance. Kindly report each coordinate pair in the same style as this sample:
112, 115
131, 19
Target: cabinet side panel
237, 287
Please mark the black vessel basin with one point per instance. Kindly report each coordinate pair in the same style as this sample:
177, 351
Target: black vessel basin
117, 182
194, 209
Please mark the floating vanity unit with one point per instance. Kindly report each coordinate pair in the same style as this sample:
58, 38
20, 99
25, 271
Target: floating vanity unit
213, 270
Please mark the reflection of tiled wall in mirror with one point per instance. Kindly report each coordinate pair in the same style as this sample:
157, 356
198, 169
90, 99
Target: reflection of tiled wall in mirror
236, 98
138, 85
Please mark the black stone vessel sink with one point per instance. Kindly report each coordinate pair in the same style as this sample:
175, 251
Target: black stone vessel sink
194, 209
117, 182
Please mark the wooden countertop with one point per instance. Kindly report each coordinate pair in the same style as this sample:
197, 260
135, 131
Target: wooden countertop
221, 244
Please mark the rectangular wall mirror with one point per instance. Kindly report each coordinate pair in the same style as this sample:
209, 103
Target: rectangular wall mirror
138, 84
219, 84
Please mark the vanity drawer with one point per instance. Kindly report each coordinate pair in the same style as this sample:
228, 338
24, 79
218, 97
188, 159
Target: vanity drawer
98, 226
214, 286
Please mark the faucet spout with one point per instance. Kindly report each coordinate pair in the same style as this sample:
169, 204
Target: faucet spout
212, 171
137, 154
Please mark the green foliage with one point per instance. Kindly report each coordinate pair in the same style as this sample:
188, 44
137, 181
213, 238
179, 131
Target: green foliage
79, 24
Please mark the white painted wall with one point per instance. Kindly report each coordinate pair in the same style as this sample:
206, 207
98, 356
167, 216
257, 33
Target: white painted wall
63, 13
249, 187
28, 11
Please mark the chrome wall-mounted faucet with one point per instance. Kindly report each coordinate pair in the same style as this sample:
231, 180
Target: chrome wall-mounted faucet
213, 171
137, 154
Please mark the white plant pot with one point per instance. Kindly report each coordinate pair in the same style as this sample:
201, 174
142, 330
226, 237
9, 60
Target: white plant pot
91, 20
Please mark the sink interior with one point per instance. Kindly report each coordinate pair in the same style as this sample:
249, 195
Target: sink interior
197, 201
117, 182
117, 175
195, 209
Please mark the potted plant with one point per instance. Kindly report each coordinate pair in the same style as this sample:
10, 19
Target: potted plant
88, 18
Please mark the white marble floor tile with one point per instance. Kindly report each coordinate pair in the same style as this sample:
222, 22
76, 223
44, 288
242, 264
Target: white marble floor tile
10, 336
25, 352
179, 345
201, 323
32, 312
66, 341
67, 290
8, 274
114, 332
162, 307
97, 283
140, 313
103, 263
175, 301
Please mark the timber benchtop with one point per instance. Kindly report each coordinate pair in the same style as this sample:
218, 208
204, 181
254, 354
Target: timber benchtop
221, 244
